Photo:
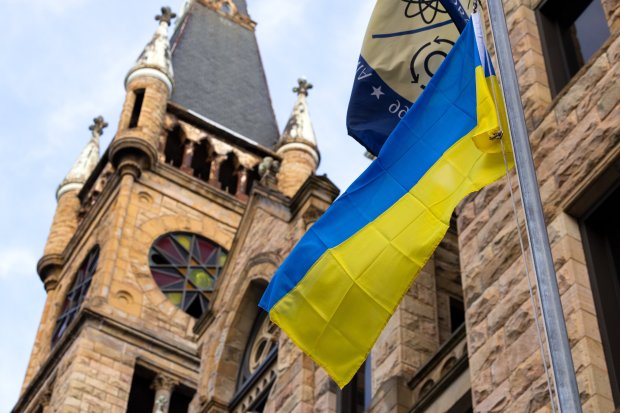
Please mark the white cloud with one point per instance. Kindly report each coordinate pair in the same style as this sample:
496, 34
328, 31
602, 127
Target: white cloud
17, 262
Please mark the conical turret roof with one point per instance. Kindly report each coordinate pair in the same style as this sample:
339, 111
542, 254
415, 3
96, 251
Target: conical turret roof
86, 162
299, 126
155, 60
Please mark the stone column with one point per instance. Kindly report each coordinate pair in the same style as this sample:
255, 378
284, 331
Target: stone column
242, 182
188, 154
163, 386
215, 170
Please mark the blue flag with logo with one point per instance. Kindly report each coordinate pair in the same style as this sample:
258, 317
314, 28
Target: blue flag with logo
405, 43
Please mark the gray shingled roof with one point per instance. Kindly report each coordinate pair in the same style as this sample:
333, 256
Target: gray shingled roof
218, 74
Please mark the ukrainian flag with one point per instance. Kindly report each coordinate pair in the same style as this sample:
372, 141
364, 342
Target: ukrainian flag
342, 282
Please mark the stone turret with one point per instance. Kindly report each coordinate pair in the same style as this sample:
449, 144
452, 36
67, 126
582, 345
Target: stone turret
66, 216
85, 163
297, 145
149, 84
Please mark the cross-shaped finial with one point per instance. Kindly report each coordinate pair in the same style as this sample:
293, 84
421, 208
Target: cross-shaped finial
98, 125
166, 15
303, 88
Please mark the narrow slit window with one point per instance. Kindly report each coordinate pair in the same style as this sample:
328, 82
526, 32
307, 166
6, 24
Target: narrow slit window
137, 108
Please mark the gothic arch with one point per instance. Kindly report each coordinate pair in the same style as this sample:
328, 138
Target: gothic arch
241, 314
201, 159
70, 273
174, 147
228, 175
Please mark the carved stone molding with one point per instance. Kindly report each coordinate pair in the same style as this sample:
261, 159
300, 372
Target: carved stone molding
163, 382
443, 368
311, 215
228, 9
268, 171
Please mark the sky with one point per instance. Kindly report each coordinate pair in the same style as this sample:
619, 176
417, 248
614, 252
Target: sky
63, 63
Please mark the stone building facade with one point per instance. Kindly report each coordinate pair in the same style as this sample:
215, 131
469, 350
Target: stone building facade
160, 248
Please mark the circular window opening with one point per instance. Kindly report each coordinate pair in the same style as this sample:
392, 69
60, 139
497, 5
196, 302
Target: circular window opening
185, 267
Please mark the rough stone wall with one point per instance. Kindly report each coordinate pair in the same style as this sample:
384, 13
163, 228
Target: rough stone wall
156, 206
62, 229
297, 166
64, 223
96, 373
570, 136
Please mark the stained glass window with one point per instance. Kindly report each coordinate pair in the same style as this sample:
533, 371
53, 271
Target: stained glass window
185, 267
257, 372
77, 293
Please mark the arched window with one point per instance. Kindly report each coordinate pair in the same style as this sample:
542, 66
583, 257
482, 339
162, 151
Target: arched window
228, 174
175, 147
257, 373
77, 293
185, 267
201, 160
253, 177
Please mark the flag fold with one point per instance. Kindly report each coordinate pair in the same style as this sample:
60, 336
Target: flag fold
340, 285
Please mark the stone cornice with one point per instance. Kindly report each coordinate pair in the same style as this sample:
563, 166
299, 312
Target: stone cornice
88, 317
314, 185
193, 119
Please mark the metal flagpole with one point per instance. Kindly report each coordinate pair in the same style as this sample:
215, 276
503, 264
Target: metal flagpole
559, 348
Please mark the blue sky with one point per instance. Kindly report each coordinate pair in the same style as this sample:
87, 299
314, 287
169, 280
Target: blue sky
63, 63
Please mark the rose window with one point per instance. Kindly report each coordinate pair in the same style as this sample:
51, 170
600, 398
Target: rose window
185, 267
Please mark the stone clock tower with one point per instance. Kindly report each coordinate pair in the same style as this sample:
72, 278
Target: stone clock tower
161, 245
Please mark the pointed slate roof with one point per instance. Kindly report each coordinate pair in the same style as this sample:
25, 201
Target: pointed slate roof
218, 70
86, 162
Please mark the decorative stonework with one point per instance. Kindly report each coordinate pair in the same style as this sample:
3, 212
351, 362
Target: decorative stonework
268, 171
451, 355
228, 9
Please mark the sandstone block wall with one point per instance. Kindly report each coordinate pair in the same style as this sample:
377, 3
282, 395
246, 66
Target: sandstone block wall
573, 135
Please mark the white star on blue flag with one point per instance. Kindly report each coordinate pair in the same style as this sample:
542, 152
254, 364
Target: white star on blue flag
376, 91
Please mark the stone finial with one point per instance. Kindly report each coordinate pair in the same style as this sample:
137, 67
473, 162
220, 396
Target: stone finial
166, 15
303, 86
86, 162
99, 124
156, 59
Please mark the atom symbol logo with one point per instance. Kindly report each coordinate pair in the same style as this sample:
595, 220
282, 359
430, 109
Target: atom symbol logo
427, 9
